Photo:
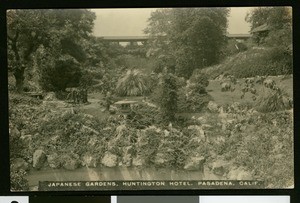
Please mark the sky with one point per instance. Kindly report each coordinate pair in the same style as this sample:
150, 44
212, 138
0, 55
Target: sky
132, 22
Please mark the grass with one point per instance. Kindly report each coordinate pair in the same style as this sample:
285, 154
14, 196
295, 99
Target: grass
214, 89
253, 62
223, 98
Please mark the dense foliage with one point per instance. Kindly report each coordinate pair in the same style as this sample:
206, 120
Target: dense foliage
59, 32
279, 23
267, 61
168, 97
193, 97
193, 38
226, 134
132, 83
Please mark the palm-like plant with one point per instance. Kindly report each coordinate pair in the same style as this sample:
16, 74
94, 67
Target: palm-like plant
132, 83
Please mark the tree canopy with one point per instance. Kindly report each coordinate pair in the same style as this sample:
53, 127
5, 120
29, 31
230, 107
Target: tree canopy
188, 37
278, 20
59, 31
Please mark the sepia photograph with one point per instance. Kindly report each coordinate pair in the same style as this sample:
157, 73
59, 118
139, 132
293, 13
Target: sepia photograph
150, 98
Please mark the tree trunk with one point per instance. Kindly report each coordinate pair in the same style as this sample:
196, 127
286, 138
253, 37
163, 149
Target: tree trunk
19, 76
20, 69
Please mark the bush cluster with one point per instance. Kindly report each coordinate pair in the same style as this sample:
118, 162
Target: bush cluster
254, 62
193, 97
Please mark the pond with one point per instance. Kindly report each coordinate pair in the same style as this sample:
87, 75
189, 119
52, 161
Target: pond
116, 174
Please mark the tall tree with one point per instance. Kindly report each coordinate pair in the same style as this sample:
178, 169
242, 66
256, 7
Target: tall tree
168, 96
192, 37
58, 30
278, 20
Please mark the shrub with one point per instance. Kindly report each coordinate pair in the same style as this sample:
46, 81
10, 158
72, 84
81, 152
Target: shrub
171, 148
132, 83
17, 180
193, 102
265, 61
60, 74
233, 47
193, 97
146, 65
199, 78
168, 97
143, 115
15, 99
271, 100
147, 143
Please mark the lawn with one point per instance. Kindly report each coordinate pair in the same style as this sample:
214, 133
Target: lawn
221, 98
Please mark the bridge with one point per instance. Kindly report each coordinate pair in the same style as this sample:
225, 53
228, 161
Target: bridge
144, 39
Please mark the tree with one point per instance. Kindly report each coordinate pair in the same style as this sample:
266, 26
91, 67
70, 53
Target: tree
191, 37
168, 96
59, 31
278, 20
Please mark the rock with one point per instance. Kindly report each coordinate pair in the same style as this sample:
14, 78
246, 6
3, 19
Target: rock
14, 132
194, 163
39, 158
127, 160
138, 161
54, 161
50, 96
18, 164
220, 167
206, 126
120, 130
92, 142
70, 163
202, 120
27, 139
225, 87
239, 174
89, 161
197, 132
128, 150
110, 160
127, 156
160, 159
112, 146
212, 106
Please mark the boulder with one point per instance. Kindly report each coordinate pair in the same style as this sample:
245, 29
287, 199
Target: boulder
128, 150
38, 159
89, 161
14, 132
220, 167
92, 142
54, 161
160, 159
27, 139
213, 107
138, 161
110, 160
197, 132
194, 163
201, 120
127, 156
54, 139
71, 163
225, 87
239, 174
18, 164
127, 160
50, 96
